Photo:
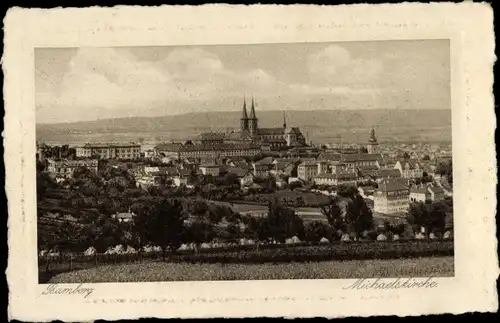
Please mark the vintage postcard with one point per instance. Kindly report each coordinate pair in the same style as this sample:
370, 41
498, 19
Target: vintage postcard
250, 161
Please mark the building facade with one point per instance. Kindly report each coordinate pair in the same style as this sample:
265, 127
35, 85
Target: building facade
341, 178
392, 196
409, 168
66, 168
419, 194
110, 150
210, 169
307, 170
207, 151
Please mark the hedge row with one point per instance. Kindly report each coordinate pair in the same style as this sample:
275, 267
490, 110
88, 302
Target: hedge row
282, 253
351, 251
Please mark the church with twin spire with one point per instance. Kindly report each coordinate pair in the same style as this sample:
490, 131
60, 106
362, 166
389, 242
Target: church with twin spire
250, 132
277, 138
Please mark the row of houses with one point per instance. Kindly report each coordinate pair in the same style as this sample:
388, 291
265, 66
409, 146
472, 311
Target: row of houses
336, 169
395, 195
190, 150
129, 150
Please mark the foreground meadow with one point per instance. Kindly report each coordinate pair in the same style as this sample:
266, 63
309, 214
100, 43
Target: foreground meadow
163, 271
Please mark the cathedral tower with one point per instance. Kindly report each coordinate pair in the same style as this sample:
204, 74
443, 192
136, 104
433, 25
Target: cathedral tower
244, 118
253, 121
372, 143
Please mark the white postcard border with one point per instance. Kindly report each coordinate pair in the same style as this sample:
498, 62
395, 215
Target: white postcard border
469, 28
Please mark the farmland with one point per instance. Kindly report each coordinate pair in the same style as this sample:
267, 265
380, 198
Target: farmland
306, 213
160, 271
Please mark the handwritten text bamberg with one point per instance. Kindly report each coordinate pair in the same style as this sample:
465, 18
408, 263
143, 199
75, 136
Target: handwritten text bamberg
399, 283
53, 289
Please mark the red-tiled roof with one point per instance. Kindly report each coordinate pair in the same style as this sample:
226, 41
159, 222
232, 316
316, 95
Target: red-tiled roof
265, 161
341, 175
240, 172
173, 146
111, 145
419, 190
436, 189
391, 185
330, 156
360, 157
309, 163
212, 136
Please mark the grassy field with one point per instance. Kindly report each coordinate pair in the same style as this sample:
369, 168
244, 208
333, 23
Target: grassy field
306, 213
160, 271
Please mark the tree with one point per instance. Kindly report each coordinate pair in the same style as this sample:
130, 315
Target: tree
103, 233
231, 179
44, 183
299, 201
436, 217
348, 191
333, 214
406, 156
201, 222
358, 216
446, 169
257, 227
432, 217
164, 228
142, 209
426, 178
230, 233
295, 184
283, 222
316, 230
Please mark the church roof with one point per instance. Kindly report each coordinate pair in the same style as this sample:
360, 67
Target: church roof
238, 135
271, 131
294, 130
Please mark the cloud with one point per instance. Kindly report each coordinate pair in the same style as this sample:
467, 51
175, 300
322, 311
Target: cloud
104, 81
329, 60
336, 66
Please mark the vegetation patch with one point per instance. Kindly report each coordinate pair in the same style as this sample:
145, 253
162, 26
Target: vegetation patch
161, 271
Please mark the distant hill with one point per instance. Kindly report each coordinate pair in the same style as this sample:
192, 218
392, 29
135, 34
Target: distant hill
319, 126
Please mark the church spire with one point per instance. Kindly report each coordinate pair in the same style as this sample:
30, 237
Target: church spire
252, 121
284, 119
372, 136
245, 115
252, 111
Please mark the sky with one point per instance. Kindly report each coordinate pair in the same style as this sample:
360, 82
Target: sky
82, 84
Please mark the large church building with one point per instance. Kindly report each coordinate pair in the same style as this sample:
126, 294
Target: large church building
277, 138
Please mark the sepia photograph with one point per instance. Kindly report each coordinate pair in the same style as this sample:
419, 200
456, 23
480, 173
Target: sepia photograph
328, 160
247, 161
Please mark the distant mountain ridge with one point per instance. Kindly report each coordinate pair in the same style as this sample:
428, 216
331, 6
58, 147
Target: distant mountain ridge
318, 126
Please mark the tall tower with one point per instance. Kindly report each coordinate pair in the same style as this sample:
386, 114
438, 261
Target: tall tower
244, 117
372, 143
284, 120
253, 121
